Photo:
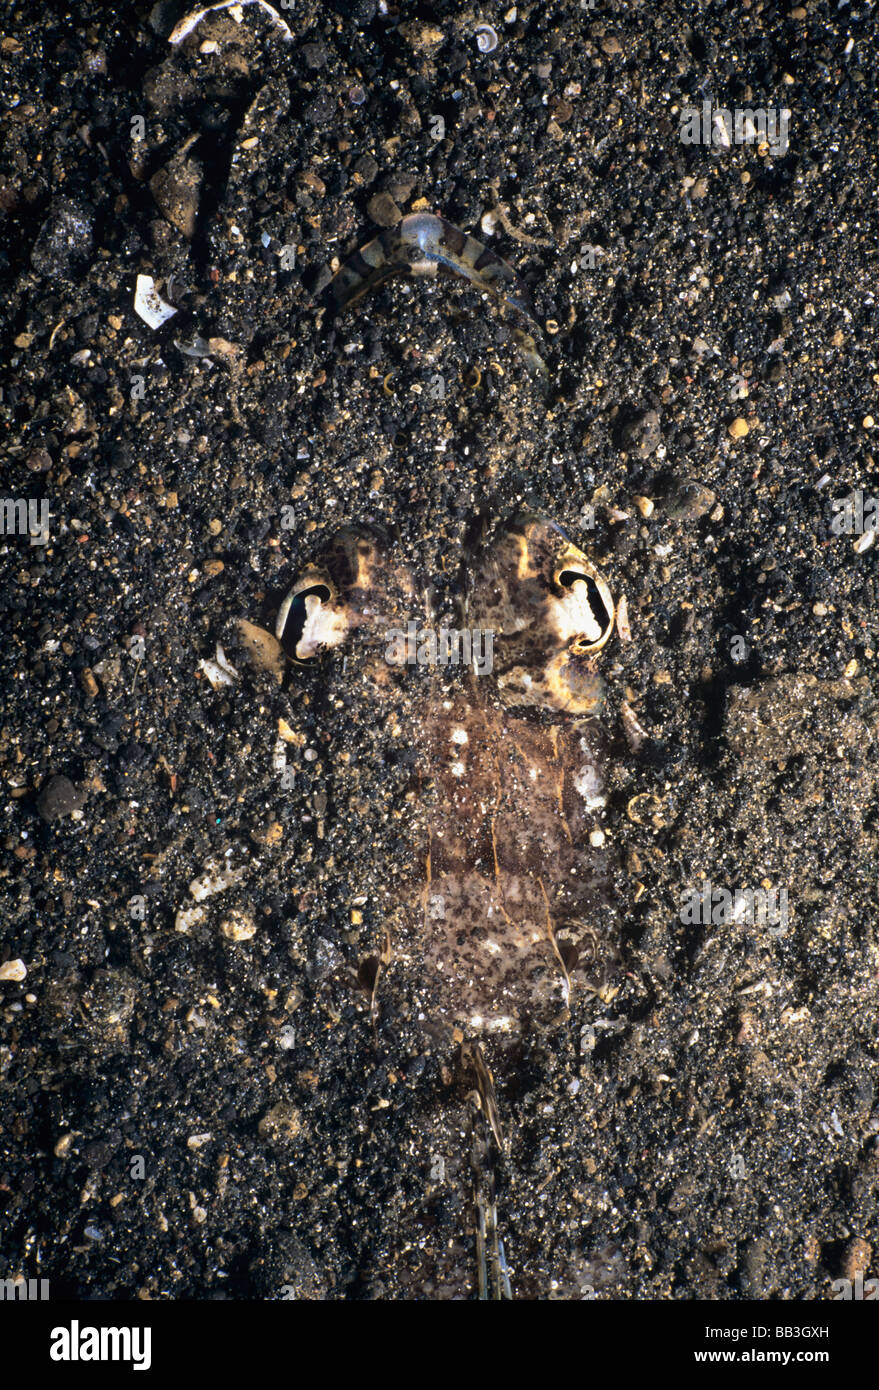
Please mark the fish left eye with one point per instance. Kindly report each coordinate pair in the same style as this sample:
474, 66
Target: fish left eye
597, 597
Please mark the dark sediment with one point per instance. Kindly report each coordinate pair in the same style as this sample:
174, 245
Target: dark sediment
712, 1131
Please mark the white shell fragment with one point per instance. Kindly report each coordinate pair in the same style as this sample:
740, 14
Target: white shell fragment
214, 880
13, 971
149, 304
188, 917
189, 22
623, 626
219, 672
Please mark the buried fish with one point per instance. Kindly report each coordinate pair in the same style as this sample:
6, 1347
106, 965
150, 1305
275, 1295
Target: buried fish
504, 909
423, 246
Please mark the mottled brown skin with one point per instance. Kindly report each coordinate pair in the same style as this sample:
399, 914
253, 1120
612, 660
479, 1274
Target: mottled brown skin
502, 914
510, 876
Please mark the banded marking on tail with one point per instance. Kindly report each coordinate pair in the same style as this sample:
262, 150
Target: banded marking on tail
423, 245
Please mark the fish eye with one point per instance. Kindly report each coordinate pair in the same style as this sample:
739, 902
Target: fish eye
598, 598
292, 617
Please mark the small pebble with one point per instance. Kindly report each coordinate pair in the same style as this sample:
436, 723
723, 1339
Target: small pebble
281, 1123
176, 189
622, 614
858, 1254
739, 428
689, 500
643, 435
58, 797
383, 210
238, 926
13, 971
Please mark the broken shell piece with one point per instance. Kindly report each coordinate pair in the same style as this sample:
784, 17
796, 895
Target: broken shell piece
636, 734
189, 22
220, 672
623, 626
196, 347
149, 304
644, 809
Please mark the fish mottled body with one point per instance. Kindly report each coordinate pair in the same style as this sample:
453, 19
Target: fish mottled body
509, 867
510, 875
498, 912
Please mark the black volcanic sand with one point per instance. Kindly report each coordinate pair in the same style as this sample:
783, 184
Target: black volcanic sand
711, 1130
